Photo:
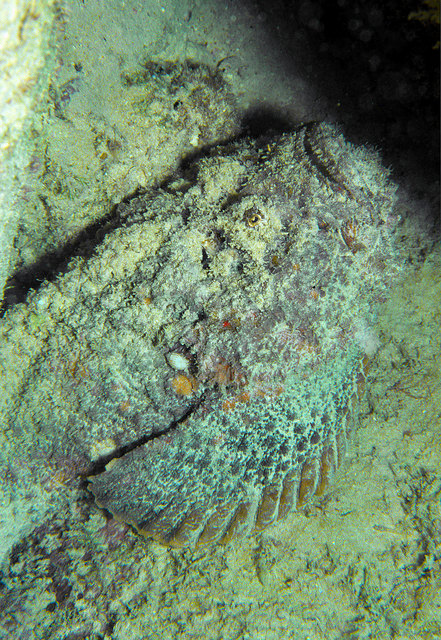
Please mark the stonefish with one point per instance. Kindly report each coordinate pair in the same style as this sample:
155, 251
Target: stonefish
201, 365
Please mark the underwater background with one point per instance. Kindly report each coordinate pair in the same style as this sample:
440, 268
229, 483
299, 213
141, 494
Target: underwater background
129, 96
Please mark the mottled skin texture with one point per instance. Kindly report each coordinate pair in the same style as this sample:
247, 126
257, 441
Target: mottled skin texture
211, 347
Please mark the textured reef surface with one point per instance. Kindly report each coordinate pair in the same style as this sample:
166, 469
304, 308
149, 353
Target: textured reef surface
201, 366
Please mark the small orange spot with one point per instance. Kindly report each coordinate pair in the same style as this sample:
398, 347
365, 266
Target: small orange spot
225, 374
55, 479
147, 300
219, 440
124, 406
231, 324
305, 347
296, 266
76, 369
272, 392
228, 405
184, 385
350, 231
314, 294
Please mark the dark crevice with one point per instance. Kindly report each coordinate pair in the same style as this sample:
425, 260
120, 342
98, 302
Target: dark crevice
205, 260
99, 466
56, 262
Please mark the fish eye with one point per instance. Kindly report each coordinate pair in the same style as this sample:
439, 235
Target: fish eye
253, 218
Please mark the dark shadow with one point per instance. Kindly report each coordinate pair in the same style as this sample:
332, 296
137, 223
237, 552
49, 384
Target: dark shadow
376, 70
263, 120
54, 263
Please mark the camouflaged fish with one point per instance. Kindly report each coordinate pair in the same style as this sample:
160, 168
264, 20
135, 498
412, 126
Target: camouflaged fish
203, 365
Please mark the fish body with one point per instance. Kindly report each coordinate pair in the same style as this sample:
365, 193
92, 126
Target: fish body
203, 365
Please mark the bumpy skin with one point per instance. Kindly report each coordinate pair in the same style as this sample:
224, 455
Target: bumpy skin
211, 347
